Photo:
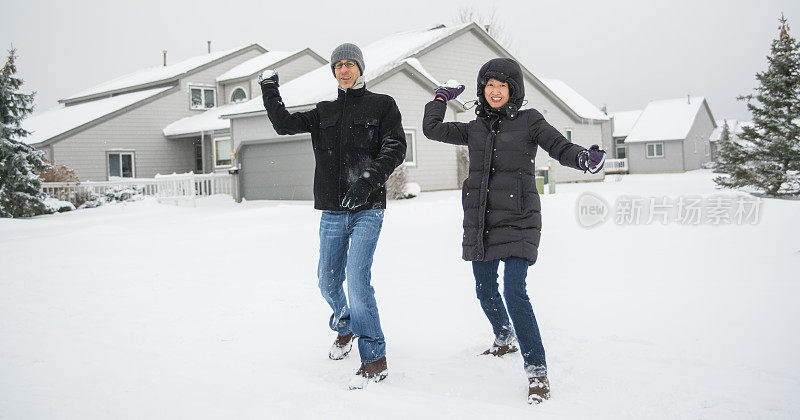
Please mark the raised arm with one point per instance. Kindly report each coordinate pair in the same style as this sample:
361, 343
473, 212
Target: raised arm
283, 121
432, 125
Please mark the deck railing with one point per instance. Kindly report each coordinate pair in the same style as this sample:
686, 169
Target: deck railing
616, 166
163, 187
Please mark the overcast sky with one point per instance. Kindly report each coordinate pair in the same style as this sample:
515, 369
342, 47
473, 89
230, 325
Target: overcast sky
619, 53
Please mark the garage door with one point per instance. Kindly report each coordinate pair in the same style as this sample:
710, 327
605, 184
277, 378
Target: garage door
277, 171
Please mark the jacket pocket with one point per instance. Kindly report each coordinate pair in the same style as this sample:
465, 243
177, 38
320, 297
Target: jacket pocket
520, 197
365, 131
327, 134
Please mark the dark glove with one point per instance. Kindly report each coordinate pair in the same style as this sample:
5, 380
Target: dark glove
448, 93
592, 160
268, 80
268, 76
357, 195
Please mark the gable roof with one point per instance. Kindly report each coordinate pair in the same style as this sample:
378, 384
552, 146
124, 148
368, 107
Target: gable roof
574, 100
669, 119
624, 122
62, 119
156, 75
255, 65
379, 57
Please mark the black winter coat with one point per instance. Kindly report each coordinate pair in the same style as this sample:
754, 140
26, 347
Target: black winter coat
358, 135
502, 211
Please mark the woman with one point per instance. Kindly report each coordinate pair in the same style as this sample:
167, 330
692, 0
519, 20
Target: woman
502, 219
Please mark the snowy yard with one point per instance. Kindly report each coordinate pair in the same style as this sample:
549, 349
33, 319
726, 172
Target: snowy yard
145, 311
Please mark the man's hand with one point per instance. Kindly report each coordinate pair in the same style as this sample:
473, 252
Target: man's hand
449, 91
357, 195
592, 160
268, 76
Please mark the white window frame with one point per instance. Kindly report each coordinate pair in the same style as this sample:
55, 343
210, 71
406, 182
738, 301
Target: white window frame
625, 148
654, 155
203, 89
234, 91
217, 139
413, 161
120, 153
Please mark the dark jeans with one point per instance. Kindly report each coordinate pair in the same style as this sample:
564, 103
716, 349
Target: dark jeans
519, 306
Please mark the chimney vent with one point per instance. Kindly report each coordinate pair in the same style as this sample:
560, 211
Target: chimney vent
209, 47
689, 99
165, 57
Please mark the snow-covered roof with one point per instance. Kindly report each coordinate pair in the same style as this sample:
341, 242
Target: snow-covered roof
153, 74
574, 100
379, 58
669, 119
61, 119
733, 125
207, 121
624, 121
254, 65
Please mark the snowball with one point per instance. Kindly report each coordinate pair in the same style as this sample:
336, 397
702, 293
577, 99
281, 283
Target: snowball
452, 84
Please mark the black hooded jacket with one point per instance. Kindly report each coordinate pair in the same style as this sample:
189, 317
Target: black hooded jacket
358, 135
502, 211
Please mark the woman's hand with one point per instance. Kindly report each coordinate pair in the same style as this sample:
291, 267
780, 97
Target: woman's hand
449, 91
592, 160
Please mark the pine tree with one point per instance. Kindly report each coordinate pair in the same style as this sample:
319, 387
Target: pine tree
726, 132
20, 194
768, 157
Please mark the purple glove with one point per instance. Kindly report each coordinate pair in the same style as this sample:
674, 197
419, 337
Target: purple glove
446, 93
592, 160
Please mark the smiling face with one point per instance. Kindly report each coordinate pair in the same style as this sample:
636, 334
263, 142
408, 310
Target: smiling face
496, 93
346, 76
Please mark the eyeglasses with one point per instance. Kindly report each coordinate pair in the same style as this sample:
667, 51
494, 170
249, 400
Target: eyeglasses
348, 64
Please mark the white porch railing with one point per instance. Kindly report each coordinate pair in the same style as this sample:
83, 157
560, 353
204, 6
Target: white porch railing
163, 187
616, 166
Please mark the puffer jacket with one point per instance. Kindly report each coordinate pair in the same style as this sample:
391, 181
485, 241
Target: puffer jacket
358, 135
502, 211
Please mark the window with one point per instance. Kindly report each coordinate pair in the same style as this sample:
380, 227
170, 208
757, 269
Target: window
411, 148
238, 95
198, 157
222, 151
620, 140
655, 150
202, 97
569, 135
622, 152
120, 165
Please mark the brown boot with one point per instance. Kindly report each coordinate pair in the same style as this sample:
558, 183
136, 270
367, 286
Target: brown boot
341, 347
373, 371
498, 350
538, 389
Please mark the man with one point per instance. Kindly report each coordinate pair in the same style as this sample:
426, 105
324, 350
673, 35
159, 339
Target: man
358, 140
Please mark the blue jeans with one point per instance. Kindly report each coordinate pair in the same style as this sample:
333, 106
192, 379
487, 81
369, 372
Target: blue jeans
347, 242
519, 306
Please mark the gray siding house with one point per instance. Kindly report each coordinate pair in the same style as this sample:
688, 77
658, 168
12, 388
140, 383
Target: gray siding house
116, 129
408, 66
670, 136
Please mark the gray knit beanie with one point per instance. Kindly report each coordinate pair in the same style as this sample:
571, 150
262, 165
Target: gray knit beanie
348, 51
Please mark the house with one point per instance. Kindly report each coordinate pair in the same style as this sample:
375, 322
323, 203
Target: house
669, 135
117, 128
408, 66
622, 124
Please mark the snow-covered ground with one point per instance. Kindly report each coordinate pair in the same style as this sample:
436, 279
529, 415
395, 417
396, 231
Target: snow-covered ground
144, 311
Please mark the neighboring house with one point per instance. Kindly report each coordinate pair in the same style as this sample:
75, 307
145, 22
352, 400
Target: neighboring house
116, 129
735, 129
408, 66
670, 136
622, 123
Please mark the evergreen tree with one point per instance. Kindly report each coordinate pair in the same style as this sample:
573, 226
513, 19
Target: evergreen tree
726, 132
768, 157
20, 194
